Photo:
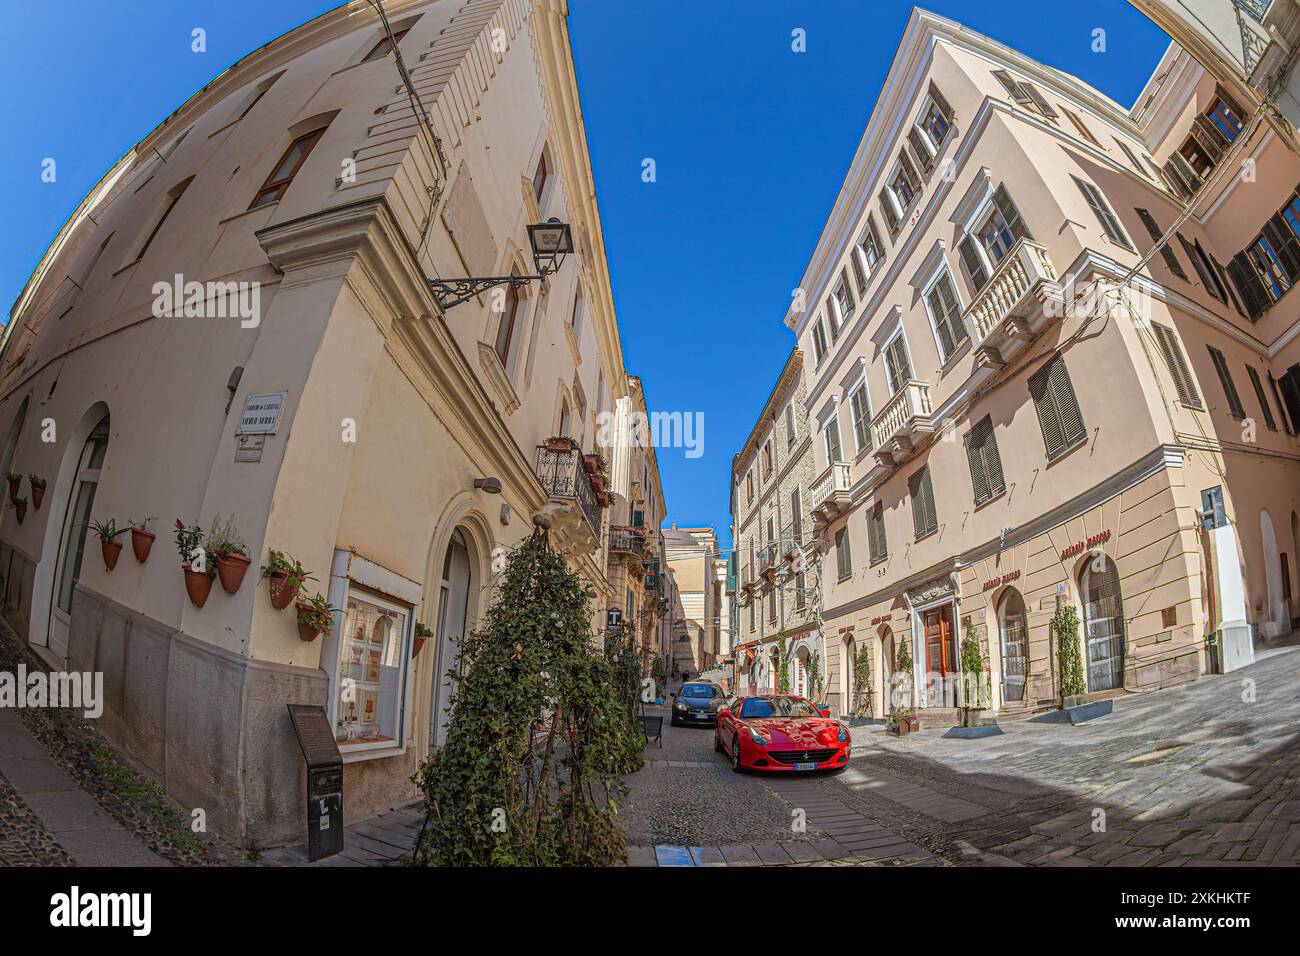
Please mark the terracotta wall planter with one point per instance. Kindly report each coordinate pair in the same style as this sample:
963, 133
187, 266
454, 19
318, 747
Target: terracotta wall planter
231, 568
306, 631
418, 645
282, 595
37, 495
141, 542
14, 485
20, 509
112, 550
198, 585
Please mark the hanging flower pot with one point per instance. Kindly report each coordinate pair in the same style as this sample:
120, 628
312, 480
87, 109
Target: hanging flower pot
231, 568
111, 550
20, 508
422, 634
15, 482
557, 444
38, 490
282, 592
315, 617
286, 577
141, 543
198, 585
591, 463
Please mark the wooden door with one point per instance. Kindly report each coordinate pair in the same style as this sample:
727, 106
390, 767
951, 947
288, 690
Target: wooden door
940, 658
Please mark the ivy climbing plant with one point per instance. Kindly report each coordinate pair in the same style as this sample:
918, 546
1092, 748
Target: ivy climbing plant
975, 694
861, 682
783, 663
1065, 625
539, 731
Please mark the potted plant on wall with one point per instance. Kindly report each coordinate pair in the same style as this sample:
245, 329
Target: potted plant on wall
20, 508
38, 490
422, 634
286, 576
315, 617
108, 546
196, 562
15, 482
1065, 626
141, 537
231, 555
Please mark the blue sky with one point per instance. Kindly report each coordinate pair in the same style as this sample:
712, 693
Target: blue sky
702, 260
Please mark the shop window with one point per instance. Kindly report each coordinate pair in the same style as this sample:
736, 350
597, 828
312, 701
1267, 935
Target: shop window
369, 694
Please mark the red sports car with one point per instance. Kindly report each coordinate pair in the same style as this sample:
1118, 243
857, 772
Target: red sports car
780, 733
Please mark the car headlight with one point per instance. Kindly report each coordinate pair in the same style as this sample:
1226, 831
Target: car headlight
844, 733
757, 738
680, 706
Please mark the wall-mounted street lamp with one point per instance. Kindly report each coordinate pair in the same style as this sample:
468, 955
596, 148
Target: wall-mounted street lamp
551, 242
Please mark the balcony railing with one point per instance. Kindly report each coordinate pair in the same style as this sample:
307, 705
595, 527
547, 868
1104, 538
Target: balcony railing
564, 478
901, 422
767, 558
830, 492
789, 541
626, 541
1011, 306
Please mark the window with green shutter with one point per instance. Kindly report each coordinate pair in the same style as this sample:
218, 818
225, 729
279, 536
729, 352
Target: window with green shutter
1263, 399
1166, 252
1235, 408
898, 369
1172, 351
1058, 409
924, 519
945, 314
876, 532
843, 560
1097, 202
861, 411
985, 462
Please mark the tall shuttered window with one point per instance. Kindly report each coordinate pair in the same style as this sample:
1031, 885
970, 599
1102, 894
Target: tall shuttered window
1101, 209
1264, 406
1166, 252
924, 519
1235, 407
1204, 268
1058, 409
1172, 351
876, 532
861, 409
843, 560
945, 315
985, 463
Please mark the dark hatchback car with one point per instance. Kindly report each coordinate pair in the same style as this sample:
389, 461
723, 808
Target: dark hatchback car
698, 703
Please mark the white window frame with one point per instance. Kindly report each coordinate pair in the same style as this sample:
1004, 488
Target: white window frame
930, 144
829, 413
821, 347
868, 233
352, 570
900, 211
840, 318
940, 271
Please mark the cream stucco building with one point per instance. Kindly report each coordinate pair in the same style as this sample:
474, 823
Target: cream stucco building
345, 418
1020, 406
773, 530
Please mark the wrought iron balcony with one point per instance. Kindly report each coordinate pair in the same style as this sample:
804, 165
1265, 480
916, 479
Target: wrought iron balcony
767, 560
568, 485
830, 492
902, 422
789, 541
627, 543
1014, 304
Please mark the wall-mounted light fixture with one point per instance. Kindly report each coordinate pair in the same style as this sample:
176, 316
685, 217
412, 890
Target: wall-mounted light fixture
491, 485
551, 242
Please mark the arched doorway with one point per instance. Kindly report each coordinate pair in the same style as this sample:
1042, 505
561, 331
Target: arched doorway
454, 590
1103, 617
73, 524
1013, 629
848, 654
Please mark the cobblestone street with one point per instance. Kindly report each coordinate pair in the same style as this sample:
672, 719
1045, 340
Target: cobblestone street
1204, 774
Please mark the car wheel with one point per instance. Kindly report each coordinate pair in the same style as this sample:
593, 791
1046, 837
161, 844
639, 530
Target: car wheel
735, 754
717, 742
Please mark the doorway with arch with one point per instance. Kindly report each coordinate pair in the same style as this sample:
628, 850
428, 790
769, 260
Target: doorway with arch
1103, 619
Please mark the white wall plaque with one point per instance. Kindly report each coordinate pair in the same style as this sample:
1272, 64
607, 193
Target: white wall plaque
261, 415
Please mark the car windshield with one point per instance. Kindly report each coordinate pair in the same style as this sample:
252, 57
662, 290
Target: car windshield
778, 707
707, 691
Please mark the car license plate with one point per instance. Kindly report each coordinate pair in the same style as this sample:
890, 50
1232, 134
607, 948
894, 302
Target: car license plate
700, 713
805, 766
